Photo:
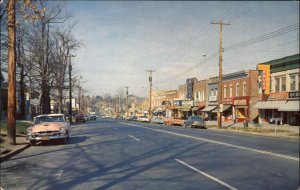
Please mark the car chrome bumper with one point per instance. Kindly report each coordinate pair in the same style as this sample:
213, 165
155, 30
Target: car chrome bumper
41, 138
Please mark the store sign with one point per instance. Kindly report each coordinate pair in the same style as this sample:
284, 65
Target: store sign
189, 84
279, 96
187, 103
240, 102
264, 78
177, 102
294, 94
212, 98
227, 100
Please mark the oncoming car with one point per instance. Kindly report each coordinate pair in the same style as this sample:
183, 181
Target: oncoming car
48, 127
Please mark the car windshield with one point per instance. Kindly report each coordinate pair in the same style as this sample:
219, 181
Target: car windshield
195, 118
49, 119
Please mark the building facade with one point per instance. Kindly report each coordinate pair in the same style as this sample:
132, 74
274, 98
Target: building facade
280, 104
239, 95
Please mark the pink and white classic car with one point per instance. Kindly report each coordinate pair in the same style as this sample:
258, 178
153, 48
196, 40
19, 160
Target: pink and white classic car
49, 127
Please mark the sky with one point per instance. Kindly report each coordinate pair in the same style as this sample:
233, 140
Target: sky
123, 39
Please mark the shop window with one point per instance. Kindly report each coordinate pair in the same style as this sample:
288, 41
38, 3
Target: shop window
292, 82
244, 89
283, 84
277, 83
237, 90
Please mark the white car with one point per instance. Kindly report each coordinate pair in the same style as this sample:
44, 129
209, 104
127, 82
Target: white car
143, 119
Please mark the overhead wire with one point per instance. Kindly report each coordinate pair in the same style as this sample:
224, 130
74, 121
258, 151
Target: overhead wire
262, 38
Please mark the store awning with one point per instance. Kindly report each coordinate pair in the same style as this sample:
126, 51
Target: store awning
290, 106
208, 108
269, 104
196, 108
225, 107
184, 109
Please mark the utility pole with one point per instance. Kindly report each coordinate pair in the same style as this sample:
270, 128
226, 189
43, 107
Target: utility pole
126, 100
70, 87
150, 91
220, 108
11, 100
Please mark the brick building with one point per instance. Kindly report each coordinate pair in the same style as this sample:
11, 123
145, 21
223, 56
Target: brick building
239, 95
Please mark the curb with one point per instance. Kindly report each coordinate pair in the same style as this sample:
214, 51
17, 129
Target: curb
259, 134
13, 153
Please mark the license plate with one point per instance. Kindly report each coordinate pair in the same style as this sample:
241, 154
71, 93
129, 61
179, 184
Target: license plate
45, 138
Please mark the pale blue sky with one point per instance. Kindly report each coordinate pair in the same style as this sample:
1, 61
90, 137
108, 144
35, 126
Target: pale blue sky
124, 39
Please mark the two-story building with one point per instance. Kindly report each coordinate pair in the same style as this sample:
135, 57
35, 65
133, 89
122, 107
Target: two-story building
239, 95
279, 91
212, 98
200, 96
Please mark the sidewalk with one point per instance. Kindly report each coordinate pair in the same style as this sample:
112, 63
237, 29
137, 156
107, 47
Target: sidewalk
265, 129
7, 150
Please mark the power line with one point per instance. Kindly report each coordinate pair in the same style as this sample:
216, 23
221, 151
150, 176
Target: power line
262, 38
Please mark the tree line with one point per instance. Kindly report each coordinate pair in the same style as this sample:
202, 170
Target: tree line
44, 46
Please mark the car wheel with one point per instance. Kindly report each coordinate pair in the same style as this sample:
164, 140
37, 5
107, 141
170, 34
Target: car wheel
32, 142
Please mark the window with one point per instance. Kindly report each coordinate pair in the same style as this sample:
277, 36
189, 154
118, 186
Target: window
203, 95
244, 89
216, 91
237, 89
230, 91
277, 83
225, 89
211, 92
196, 95
292, 82
283, 84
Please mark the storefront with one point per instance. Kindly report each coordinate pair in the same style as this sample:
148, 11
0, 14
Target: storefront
290, 109
209, 115
240, 108
268, 111
227, 112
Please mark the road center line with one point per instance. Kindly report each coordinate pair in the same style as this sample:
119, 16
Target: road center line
134, 137
222, 143
207, 175
59, 174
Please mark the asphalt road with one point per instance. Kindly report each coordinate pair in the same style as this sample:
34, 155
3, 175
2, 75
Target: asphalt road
112, 154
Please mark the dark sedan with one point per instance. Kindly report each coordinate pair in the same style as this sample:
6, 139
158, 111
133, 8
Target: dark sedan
195, 121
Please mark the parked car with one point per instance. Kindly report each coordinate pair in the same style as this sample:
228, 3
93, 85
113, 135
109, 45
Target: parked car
48, 127
143, 119
92, 116
132, 118
195, 121
174, 121
80, 118
157, 120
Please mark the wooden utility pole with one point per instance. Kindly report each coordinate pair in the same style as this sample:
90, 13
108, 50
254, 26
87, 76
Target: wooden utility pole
11, 100
126, 100
220, 105
70, 87
150, 93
